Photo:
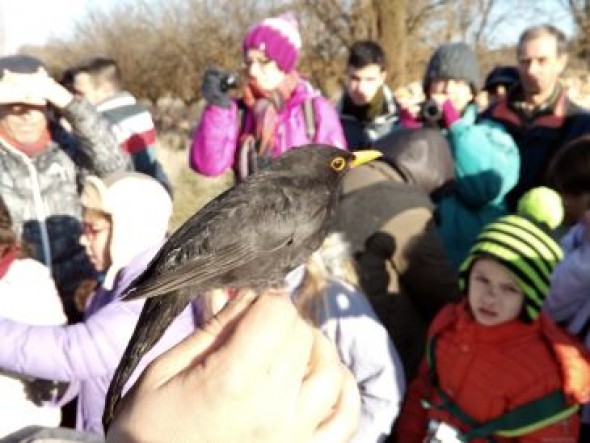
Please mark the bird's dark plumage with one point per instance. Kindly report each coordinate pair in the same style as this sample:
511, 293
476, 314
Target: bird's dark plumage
250, 236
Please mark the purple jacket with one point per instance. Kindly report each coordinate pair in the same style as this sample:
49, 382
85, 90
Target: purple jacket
86, 354
213, 149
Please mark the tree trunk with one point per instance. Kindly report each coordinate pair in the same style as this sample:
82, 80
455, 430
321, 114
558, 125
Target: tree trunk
391, 34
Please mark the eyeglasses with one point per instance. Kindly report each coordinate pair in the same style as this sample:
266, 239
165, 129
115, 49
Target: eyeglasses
21, 108
89, 230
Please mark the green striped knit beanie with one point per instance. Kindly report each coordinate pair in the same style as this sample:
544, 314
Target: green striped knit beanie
527, 251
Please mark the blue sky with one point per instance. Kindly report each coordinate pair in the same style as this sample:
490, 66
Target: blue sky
34, 21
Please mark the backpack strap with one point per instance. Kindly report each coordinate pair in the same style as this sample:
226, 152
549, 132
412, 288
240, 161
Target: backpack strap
527, 418
520, 421
309, 116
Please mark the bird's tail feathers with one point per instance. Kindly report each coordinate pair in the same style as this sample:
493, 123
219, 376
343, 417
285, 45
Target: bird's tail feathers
155, 317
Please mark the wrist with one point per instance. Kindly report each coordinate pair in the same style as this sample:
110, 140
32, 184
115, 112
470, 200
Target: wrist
61, 98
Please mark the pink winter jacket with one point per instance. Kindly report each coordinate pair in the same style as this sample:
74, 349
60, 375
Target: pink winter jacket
215, 141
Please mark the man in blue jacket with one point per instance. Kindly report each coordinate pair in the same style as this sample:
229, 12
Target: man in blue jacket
537, 113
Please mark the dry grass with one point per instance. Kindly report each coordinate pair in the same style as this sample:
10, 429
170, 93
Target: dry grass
191, 190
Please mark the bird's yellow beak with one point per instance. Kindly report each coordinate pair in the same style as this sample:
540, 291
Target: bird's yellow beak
364, 156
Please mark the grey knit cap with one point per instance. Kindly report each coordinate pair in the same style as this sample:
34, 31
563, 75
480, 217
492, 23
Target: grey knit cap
453, 61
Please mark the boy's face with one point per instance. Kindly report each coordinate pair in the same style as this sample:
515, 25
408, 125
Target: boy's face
85, 86
363, 83
494, 295
96, 238
574, 207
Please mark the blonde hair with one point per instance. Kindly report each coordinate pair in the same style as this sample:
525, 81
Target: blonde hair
331, 260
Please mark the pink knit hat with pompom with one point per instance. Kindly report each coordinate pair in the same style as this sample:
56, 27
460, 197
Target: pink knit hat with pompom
279, 39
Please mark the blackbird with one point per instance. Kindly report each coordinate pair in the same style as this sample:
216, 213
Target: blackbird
250, 236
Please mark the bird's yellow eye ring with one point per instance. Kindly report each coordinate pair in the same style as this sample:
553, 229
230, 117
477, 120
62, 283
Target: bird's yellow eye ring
338, 164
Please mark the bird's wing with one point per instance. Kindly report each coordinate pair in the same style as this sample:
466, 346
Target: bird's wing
203, 269
220, 238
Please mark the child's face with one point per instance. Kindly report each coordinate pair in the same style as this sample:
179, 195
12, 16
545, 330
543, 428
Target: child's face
457, 91
96, 239
494, 296
574, 206
262, 70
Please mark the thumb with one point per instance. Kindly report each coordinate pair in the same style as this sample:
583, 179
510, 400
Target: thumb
344, 421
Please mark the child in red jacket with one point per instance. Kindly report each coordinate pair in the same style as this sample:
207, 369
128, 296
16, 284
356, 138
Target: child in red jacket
497, 370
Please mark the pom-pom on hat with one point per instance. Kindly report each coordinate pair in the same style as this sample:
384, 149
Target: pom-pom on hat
526, 250
279, 39
542, 205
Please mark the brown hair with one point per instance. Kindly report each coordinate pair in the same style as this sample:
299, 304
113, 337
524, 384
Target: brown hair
535, 32
7, 234
569, 170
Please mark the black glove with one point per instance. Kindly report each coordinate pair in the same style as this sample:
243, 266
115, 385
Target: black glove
39, 390
216, 83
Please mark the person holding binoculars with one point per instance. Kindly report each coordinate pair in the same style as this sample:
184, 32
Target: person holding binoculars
278, 110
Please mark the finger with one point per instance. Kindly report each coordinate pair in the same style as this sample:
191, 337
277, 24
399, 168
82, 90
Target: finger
198, 343
269, 320
343, 423
321, 388
289, 363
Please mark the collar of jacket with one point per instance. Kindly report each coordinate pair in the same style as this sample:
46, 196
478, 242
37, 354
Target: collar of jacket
389, 108
550, 114
118, 100
458, 317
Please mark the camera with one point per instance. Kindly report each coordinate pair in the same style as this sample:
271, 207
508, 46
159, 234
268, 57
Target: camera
229, 81
430, 112
440, 432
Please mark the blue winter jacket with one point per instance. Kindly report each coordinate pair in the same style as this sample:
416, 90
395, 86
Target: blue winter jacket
487, 166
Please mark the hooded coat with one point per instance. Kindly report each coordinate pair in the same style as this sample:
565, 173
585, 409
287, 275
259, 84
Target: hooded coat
568, 303
490, 370
342, 312
28, 295
86, 354
387, 215
487, 165
42, 192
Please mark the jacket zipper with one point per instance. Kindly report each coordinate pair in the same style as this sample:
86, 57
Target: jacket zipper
38, 201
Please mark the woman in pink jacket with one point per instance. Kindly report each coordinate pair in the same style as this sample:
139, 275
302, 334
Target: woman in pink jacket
278, 109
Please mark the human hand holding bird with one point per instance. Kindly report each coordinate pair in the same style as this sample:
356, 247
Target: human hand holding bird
297, 389
250, 236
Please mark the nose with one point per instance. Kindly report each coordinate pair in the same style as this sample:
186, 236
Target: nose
491, 293
532, 67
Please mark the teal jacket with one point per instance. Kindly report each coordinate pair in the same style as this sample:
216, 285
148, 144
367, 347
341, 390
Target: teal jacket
487, 166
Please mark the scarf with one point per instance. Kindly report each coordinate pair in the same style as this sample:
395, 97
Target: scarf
518, 104
7, 258
367, 112
265, 107
29, 149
